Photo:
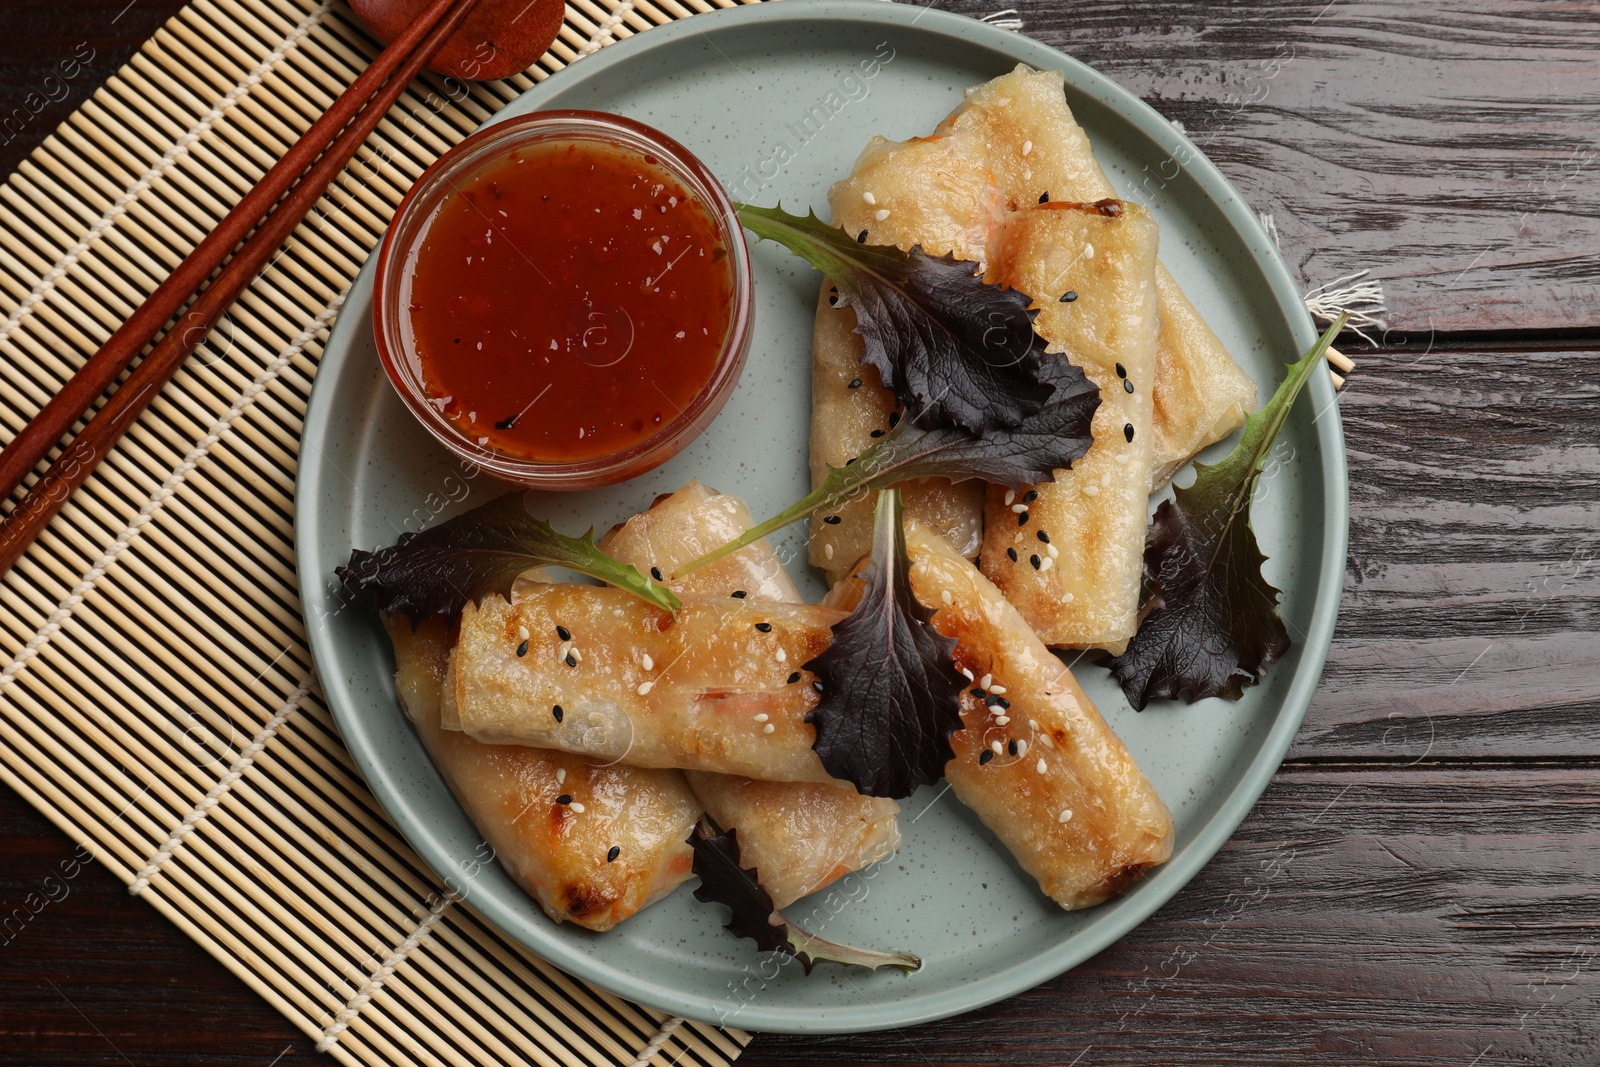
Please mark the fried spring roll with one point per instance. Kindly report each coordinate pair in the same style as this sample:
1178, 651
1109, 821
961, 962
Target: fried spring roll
1070, 553
799, 836
931, 192
1057, 786
1037, 149
600, 673
560, 853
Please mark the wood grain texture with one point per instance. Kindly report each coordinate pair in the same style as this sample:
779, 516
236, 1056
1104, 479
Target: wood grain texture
1438, 916
1452, 148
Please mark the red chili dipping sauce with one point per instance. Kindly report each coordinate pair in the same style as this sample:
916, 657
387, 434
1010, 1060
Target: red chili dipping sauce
567, 300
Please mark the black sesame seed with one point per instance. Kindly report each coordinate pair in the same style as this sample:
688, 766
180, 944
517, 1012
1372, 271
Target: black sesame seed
793, 678
522, 649
894, 419
571, 662
1012, 553
615, 851
977, 693
739, 594
985, 756
1034, 559
1041, 535
1000, 702
1030, 496
832, 520
1127, 430
563, 633
855, 383
1121, 371
876, 433
564, 798
1044, 197
833, 301
557, 712
1022, 518
655, 572
1127, 386
1069, 296
764, 627
861, 238
1011, 746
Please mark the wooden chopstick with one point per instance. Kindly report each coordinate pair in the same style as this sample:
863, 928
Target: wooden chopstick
401, 62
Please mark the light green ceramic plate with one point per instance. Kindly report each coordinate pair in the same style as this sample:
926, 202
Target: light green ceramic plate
749, 88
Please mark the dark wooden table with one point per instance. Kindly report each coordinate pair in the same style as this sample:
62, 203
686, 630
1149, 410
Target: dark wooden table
1421, 883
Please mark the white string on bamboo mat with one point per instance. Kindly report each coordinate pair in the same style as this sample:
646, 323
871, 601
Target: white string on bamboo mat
165, 491
658, 1042
246, 759
352, 1008
608, 26
119, 207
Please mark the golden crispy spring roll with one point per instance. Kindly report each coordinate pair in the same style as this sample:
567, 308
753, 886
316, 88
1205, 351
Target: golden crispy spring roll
1070, 553
930, 192
1036, 761
800, 836
617, 844
598, 672
1037, 148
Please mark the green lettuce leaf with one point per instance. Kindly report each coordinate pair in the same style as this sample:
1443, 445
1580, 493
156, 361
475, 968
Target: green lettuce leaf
891, 694
723, 881
954, 349
1212, 625
437, 571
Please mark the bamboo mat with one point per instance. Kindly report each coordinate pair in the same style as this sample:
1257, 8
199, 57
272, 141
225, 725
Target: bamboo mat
157, 699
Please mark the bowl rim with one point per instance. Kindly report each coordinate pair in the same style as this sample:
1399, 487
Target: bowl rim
411, 219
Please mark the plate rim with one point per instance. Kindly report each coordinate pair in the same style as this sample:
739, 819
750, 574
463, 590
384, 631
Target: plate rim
1209, 838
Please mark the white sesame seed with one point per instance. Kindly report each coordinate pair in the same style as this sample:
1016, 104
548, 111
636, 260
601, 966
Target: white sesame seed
769, 728
782, 656
1022, 746
1027, 146
1019, 508
561, 775
967, 673
988, 680
561, 653
762, 717
997, 747
1033, 724
1088, 250
1045, 564
577, 807
1091, 490
945, 596
1065, 816
998, 690
868, 197
881, 214
1001, 720
1011, 495
577, 653
1067, 598
645, 687
1041, 766
827, 550
1052, 551
1044, 739
522, 633
647, 662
